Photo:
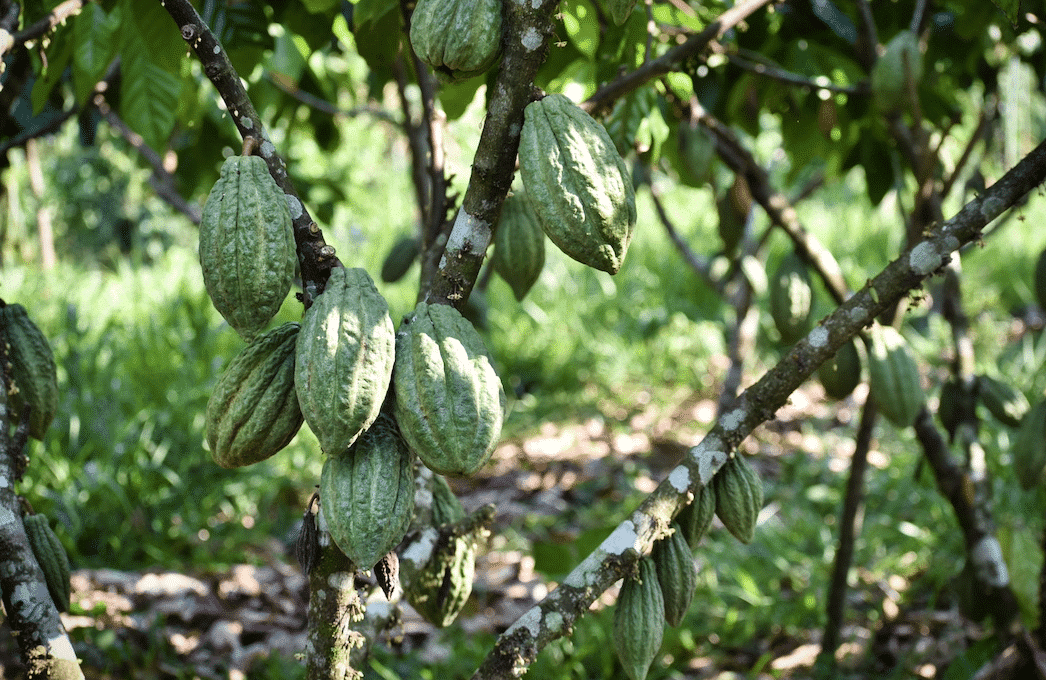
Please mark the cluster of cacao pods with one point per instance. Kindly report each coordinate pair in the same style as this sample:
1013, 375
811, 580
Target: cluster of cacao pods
31, 368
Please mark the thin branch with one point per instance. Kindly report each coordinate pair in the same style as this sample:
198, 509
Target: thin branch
60, 13
967, 152
781, 75
52, 125
322, 105
701, 265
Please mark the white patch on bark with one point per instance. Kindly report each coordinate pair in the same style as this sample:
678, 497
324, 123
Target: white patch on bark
709, 458
468, 230
341, 579
924, 258
294, 206
267, 149
988, 562
554, 622
857, 313
7, 517
531, 621
680, 478
951, 244
818, 337
584, 574
621, 539
531, 39
731, 421
246, 122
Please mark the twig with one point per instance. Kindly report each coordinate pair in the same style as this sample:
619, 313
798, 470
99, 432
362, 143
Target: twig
987, 113
701, 265
47, 128
324, 106
784, 76
870, 51
60, 13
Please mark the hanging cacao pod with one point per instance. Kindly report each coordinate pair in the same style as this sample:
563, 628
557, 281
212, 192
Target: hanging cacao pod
894, 376
888, 80
950, 405
50, 555
401, 256
676, 574
1004, 401
695, 518
639, 621
791, 299
449, 401
696, 151
458, 39
519, 245
1029, 447
247, 250
32, 369
446, 508
841, 374
738, 497
439, 588
253, 411
367, 494
577, 183
344, 359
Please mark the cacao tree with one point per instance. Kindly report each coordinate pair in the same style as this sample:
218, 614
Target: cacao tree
758, 104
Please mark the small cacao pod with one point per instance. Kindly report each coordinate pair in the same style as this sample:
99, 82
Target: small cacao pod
367, 494
696, 151
738, 497
841, 374
50, 555
519, 245
1004, 401
639, 621
577, 183
446, 508
345, 352
253, 411
695, 518
950, 405
900, 60
32, 369
449, 401
439, 588
791, 299
1039, 283
247, 250
676, 574
1029, 447
894, 376
458, 39
401, 256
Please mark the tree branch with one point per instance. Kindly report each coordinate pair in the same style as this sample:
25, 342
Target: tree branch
781, 75
63, 11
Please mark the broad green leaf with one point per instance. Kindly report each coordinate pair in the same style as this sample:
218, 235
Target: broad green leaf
836, 20
152, 26
318, 6
456, 97
579, 20
149, 98
34, 10
1011, 8
370, 12
1023, 556
628, 115
95, 46
59, 54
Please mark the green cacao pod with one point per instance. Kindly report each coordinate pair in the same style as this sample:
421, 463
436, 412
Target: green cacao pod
367, 494
446, 508
1039, 284
246, 245
32, 369
253, 411
888, 81
695, 518
841, 374
738, 497
402, 255
439, 588
791, 299
577, 183
344, 359
1004, 401
639, 621
950, 405
696, 151
1029, 448
676, 574
50, 555
519, 245
894, 376
449, 401
458, 39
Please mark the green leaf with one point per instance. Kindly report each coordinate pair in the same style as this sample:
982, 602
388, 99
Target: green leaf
840, 24
318, 6
94, 47
628, 115
149, 98
156, 32
1020, 551
456, 97
59, 54
580, 25
36, 10
1011, 8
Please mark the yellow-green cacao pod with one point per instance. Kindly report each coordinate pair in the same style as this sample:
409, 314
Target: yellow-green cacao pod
367, 494
519, 246
253, 411
1004, 401
894, 376
449, 401
676, 574
446, 508
1029, 448
401, 256
841, 374
1039, 284
639, 621
439, 588
888, 81
32, 369
344, 359
695, 518
791, 299
50, 555
458, 39
738, 497
577, 183
246, 245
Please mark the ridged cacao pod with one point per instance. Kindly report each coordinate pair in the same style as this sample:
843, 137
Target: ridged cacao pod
449, 401
367, 494
253, 411
439, 588
695, 518
888, 81
446, 508
1004, 401
32, 369
344, 359
50, 555
639, 621
1039, 282
676, 574
738, 497
1029, 448
401, 256
791, 299
577, 183
894, 376
519, 246
841, 374
246, 245
458, 39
